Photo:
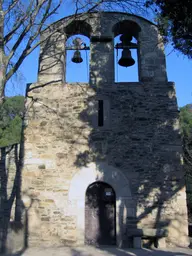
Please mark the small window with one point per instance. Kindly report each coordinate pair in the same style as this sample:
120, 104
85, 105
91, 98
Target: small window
77, 59
108, 192
126, 60
108, 195
100, 113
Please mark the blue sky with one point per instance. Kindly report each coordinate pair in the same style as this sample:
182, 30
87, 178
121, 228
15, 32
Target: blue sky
179, 69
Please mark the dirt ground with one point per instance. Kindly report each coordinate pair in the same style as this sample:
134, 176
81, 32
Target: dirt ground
105, 251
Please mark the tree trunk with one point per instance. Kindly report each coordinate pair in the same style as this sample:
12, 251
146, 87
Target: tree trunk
2, 55
18, 207
4, 211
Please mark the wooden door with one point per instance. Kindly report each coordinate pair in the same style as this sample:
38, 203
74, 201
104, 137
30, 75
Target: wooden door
100, 214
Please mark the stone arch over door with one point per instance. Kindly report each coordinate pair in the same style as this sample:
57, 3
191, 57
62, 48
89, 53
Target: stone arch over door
101, 171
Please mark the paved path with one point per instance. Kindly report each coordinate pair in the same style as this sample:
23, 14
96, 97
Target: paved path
107, 251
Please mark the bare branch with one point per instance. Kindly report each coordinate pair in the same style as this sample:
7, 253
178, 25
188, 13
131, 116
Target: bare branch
29, 19
29, 48
11, 6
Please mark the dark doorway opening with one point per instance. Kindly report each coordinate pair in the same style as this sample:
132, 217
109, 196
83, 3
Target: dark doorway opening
100, 214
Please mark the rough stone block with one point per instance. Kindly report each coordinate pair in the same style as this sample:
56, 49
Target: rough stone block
137, 242
161, 243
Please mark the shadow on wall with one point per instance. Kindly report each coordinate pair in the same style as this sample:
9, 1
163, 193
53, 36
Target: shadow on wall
156, 179
14, 209
10, 166
143, 142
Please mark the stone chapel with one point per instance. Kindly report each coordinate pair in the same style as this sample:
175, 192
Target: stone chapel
103, 159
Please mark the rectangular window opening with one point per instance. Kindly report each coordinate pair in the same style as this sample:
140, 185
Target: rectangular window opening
100, 113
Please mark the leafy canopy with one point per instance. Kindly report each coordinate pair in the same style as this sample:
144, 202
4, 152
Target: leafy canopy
11, 113
174, 18
186, 121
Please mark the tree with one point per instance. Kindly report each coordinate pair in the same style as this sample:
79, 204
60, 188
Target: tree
21, 23
186, 121
174, 18
11, 113
186, 131
129, 6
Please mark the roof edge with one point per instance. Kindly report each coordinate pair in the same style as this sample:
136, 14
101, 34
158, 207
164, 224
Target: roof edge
84, 13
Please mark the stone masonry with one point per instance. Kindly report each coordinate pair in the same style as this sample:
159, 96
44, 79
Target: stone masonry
137, 150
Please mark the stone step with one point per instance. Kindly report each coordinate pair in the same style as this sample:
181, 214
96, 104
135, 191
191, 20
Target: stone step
147, 232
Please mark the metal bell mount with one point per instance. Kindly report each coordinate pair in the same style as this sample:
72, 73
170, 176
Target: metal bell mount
77, 55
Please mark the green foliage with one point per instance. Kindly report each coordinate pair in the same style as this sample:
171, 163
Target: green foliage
186, 130
186, 121
174, 18
11, 112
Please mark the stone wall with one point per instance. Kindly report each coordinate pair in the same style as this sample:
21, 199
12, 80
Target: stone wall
138, 149
142, 141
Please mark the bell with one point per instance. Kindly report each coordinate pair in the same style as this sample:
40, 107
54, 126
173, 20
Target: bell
77, 57
126, 60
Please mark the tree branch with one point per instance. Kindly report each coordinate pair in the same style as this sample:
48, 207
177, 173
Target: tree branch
29, 48
11, 6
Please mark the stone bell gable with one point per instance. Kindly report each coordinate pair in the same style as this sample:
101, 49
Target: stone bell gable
103, 154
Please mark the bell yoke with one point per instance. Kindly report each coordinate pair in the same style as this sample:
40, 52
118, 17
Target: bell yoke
126, 59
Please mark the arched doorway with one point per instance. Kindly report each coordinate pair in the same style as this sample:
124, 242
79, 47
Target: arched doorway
100, 226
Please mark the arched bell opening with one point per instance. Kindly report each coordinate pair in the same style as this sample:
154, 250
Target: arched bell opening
100, 214
126, 51
78, 27
77, 59
77, 52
